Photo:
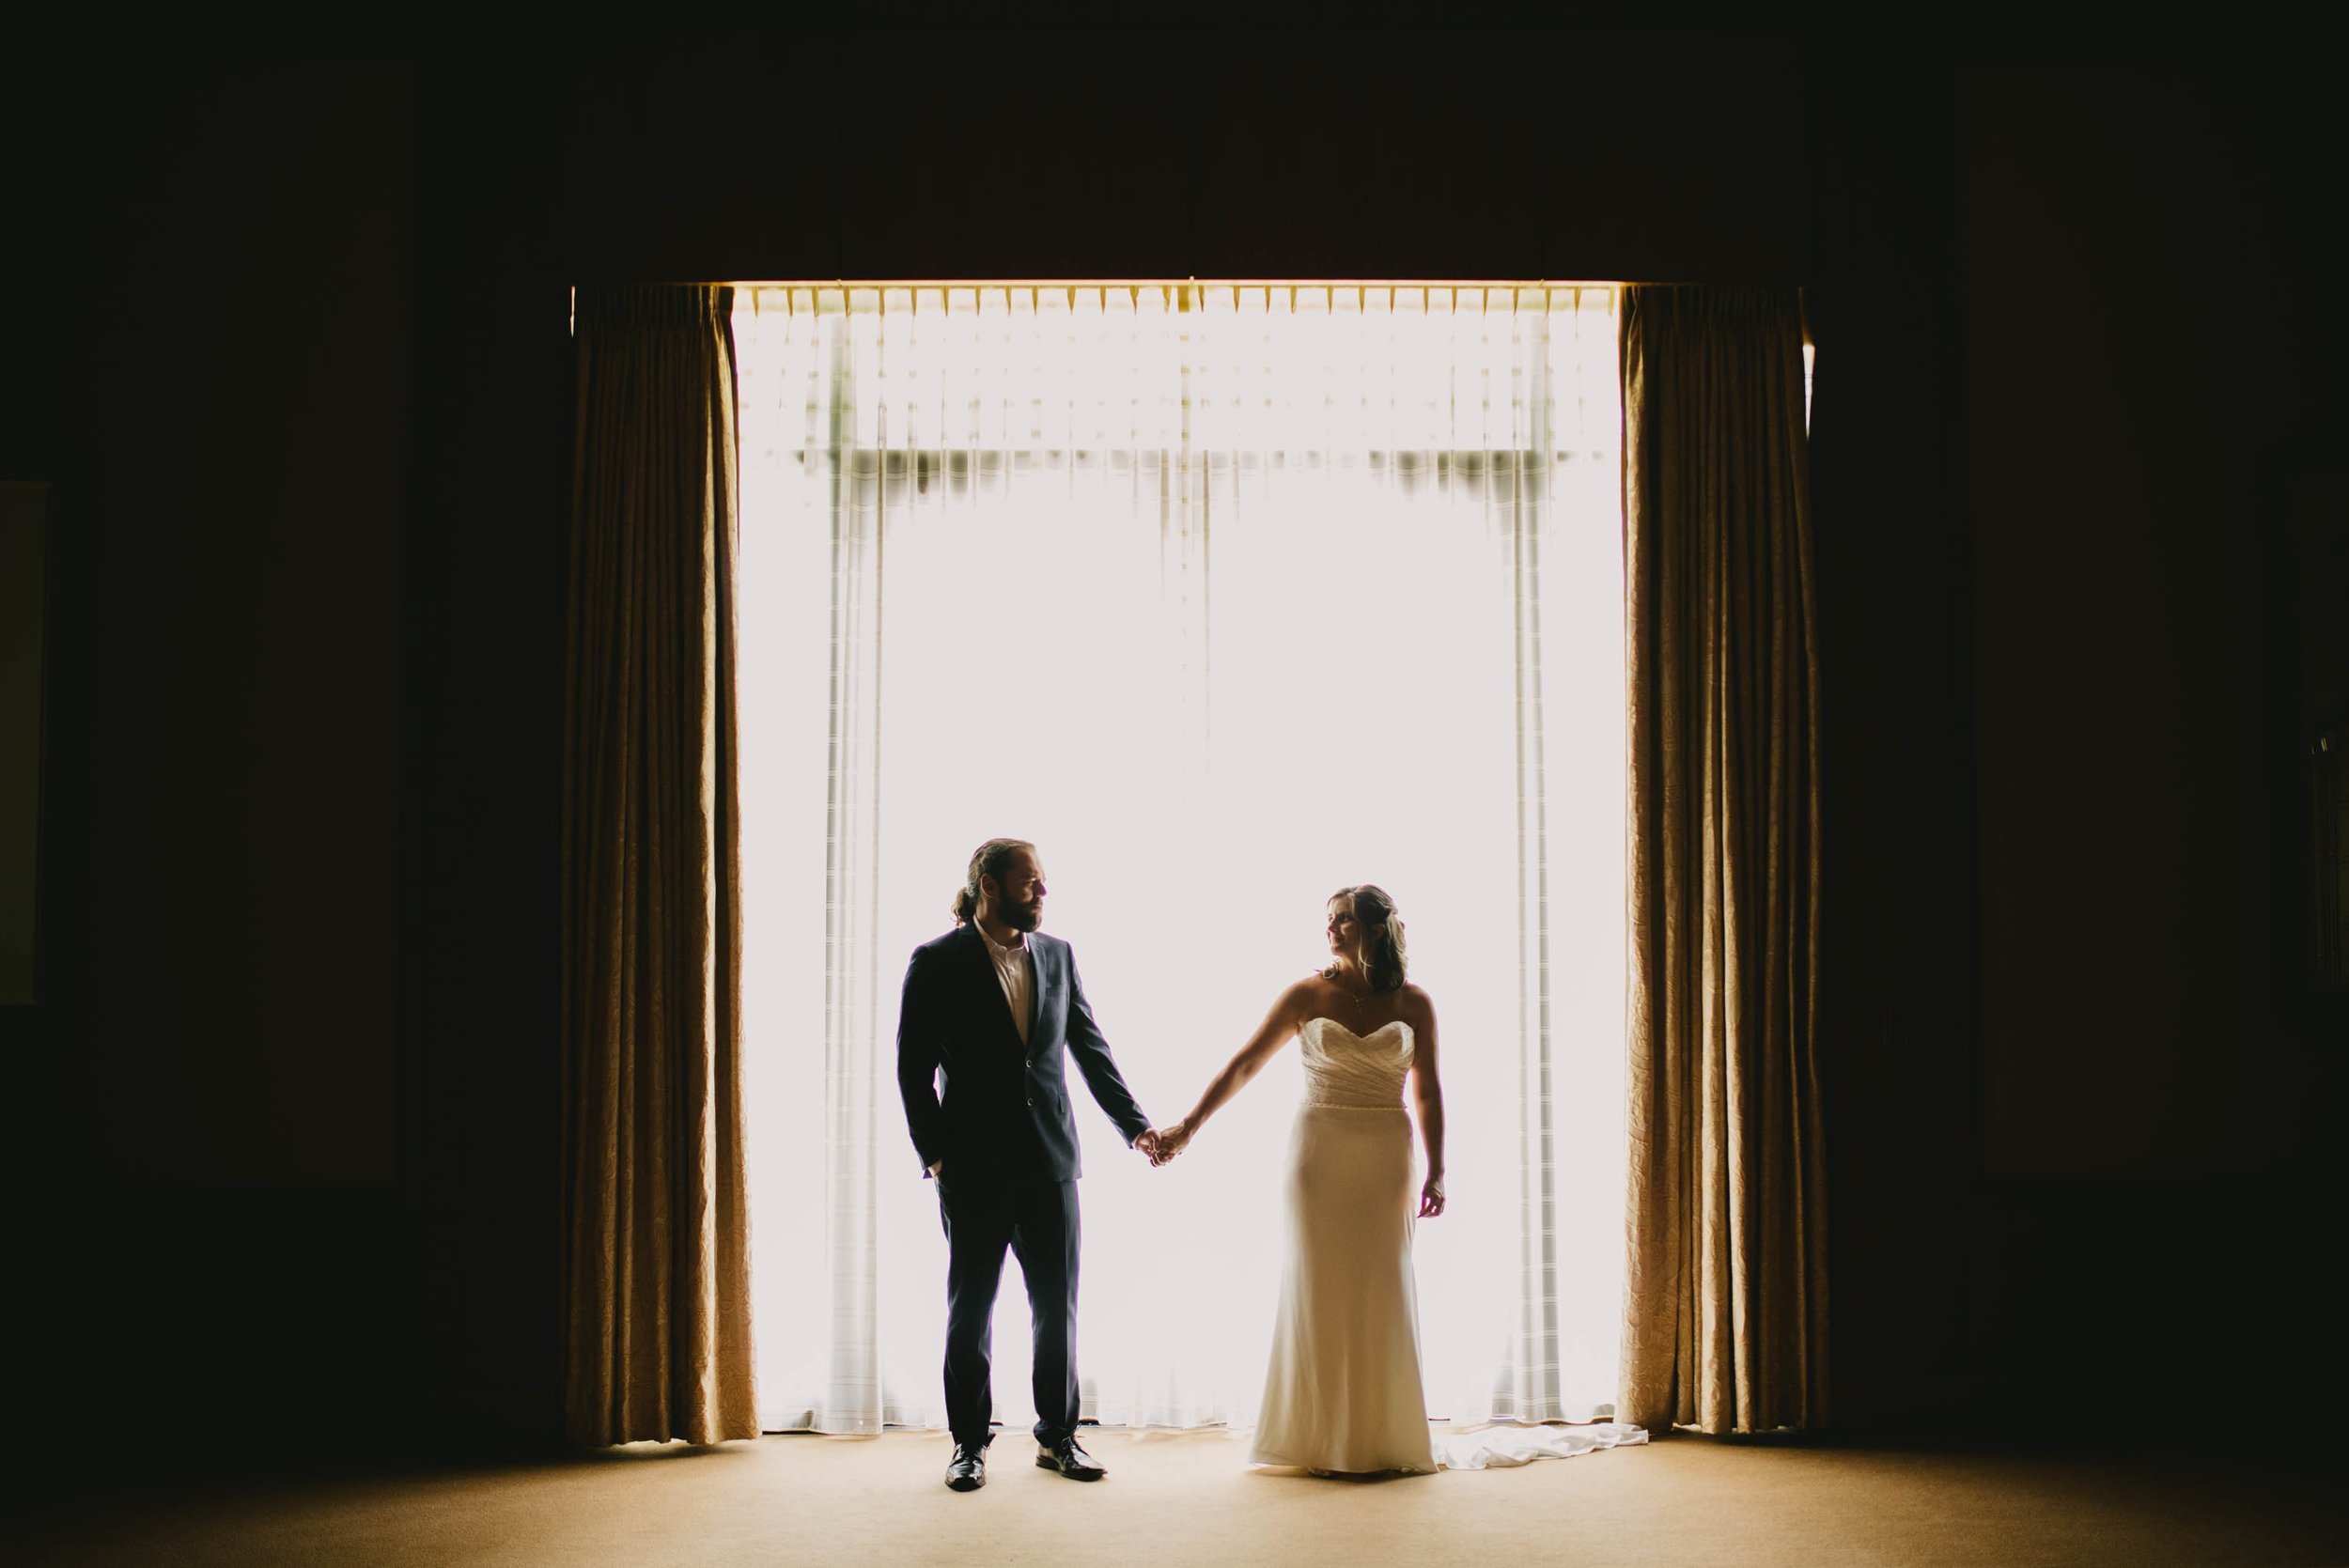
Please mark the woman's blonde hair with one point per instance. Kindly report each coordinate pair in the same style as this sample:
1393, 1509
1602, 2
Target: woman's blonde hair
1383, 952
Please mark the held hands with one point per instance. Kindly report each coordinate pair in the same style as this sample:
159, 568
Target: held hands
1431, 1198
1160, 1145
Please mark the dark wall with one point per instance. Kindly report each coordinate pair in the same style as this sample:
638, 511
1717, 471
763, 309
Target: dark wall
487, 544
294, 352
1899, 1023
294, 348
2075, 423
2151, 392
206, 316
1149, 156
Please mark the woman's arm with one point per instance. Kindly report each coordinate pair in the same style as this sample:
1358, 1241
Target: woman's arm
1284, 1020
1427, 1090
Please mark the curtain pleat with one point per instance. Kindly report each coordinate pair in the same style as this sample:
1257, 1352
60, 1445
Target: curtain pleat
656, 1277
1725, 1299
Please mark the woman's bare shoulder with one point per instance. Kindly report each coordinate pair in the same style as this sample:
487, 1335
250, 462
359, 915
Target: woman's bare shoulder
1312, 990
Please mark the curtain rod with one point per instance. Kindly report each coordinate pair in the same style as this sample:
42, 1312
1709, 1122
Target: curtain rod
1156, 283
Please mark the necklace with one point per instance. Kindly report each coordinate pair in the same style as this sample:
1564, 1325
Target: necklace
1361, 999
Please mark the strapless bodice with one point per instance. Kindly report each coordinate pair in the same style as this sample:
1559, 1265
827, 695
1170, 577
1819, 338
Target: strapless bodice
1343, 1068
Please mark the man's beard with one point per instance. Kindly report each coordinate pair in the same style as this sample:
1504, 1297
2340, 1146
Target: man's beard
1024, 916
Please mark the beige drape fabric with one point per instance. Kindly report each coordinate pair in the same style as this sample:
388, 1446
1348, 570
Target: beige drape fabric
657, 1288
1725, 1291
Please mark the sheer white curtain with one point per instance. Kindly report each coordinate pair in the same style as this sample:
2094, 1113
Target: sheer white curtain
1226, 596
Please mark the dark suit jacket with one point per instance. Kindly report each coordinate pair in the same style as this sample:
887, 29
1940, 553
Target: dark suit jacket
954, 1026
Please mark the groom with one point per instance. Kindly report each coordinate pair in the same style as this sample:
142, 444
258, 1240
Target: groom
995, 1009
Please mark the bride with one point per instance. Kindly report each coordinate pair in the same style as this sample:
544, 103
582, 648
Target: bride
1342, 1394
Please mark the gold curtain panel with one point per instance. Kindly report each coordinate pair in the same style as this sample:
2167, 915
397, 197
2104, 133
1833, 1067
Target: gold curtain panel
656, 1275
1725, 1297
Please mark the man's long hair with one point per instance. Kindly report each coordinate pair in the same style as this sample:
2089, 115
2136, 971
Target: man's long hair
986, 861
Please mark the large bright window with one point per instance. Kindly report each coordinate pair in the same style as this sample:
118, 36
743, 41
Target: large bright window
1225, 595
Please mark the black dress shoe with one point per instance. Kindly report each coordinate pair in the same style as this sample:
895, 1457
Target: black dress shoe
967, 1472
1070, 1460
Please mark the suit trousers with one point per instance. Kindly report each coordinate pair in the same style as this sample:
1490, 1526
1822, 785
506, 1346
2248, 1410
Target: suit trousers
1037, 1218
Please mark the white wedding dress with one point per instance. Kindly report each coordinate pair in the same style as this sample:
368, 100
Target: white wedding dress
1342, 1390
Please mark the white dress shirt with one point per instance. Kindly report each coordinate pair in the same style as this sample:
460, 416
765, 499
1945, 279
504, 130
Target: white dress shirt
1013, 969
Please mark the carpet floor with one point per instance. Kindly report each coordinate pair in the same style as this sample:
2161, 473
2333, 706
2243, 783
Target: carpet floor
1187, 1497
